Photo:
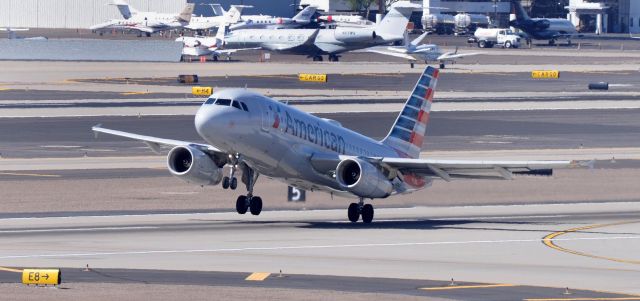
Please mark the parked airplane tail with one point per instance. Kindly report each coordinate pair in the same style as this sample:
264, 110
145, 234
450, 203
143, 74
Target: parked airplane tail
408, 131
394, 23
125, 9
419, 39
186, 13
519, 11
304, 16
218, 10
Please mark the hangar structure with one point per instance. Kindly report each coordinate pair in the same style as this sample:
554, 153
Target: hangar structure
84, 13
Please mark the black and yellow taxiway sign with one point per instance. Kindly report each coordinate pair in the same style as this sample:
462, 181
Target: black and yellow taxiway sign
41, 276
545, 74
202, 91
308, 77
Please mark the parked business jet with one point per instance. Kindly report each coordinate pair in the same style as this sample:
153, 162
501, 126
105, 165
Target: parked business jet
344, 20
12, 34
301, 19
233, 15
145, 22
413, 51
258, 135
317, 42
542, 28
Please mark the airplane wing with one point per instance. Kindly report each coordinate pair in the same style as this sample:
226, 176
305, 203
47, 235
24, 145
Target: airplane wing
389, 53
155, 143
452, 56
476, 169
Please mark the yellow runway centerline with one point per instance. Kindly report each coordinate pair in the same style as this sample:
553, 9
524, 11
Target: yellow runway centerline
454, 287
29, 175
10, 270
548, 241
258, 277
134, 93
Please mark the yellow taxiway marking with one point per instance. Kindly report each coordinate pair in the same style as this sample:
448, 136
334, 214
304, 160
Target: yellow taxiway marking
28, 174
548, 241
454, 287
134, 93
5, 89
585, 299
10, 270
258, 277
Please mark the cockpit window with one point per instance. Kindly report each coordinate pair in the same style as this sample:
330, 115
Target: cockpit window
210, 101
244, 106
223, 102
236, 105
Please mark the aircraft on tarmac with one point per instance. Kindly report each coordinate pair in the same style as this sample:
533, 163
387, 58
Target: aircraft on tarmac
258, 135
301, 19
345, 19
316, 42
542, 28
12, 35
413, 51
145, 22
234, 15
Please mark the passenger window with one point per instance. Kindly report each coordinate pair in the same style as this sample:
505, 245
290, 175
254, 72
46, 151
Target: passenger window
210, 101
244, 106
236, 105
223, 102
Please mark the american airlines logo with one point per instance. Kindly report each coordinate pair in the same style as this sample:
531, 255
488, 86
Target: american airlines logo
314, 133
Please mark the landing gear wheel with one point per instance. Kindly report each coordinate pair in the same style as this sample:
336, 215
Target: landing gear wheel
353, 212
225, 183
241, 204
442, 66
215, 58
334, 58
234, 183
255, 205
317, 58
367, 213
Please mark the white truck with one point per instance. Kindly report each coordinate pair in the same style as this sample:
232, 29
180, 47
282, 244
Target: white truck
488, 37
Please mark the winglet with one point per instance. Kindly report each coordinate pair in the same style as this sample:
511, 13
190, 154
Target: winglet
95, 128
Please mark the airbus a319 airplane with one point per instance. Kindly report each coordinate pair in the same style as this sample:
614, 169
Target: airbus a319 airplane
258, 135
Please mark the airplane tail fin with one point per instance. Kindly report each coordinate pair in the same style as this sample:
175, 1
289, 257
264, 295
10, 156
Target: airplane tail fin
186, 13
234, 13
304, 16
394, 24
419, 39
217, 9
407, 134
521, 14
125, 9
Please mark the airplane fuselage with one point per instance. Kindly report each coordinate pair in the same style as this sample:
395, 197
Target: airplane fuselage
278, 140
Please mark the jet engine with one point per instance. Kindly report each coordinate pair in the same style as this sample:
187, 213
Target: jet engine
354, 34
193, 166
363, 179
541, 24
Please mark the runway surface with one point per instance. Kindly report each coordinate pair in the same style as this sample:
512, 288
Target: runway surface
590, 246
25, 137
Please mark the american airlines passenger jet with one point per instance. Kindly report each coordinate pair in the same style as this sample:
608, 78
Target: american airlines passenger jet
258, 135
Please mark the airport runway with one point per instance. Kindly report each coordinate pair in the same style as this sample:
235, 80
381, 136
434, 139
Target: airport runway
588, 246
485, 130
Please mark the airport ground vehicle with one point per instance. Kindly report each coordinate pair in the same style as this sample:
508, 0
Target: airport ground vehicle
489, 37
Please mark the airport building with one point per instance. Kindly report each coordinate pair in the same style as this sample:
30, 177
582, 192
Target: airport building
84, 13
621, 16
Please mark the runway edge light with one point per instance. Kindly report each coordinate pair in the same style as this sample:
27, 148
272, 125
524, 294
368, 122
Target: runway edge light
545, 74
201, 91
309, 77
41, 276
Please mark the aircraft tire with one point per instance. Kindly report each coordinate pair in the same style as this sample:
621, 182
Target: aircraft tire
225, 183
367, 213
255, 205
234, 183
353, 212
241, 204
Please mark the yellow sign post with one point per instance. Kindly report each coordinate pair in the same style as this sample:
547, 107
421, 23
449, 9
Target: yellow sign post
41, 276
307, 77
545, 74
202, 91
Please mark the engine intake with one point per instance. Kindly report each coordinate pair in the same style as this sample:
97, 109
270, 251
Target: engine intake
193, 166
363, 179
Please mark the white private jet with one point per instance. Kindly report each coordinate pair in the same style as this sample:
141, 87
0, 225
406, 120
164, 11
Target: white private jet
145, 22
413, 52
12, 34
233, 15
301, 19
259, 135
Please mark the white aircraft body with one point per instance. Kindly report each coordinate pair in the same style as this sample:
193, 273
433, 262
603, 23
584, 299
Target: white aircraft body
301, 19
414, 51
317, 42
258, 135
145, 22
352, 19
234, 15
12, 34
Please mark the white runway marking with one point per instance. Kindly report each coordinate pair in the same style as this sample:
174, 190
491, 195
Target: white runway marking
76, 229
308, 247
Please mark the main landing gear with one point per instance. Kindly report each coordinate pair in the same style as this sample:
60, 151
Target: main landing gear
355, 210
247, 202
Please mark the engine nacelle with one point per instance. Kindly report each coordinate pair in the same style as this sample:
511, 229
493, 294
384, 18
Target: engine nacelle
354, 34
193, 166
541, 24
363, 179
